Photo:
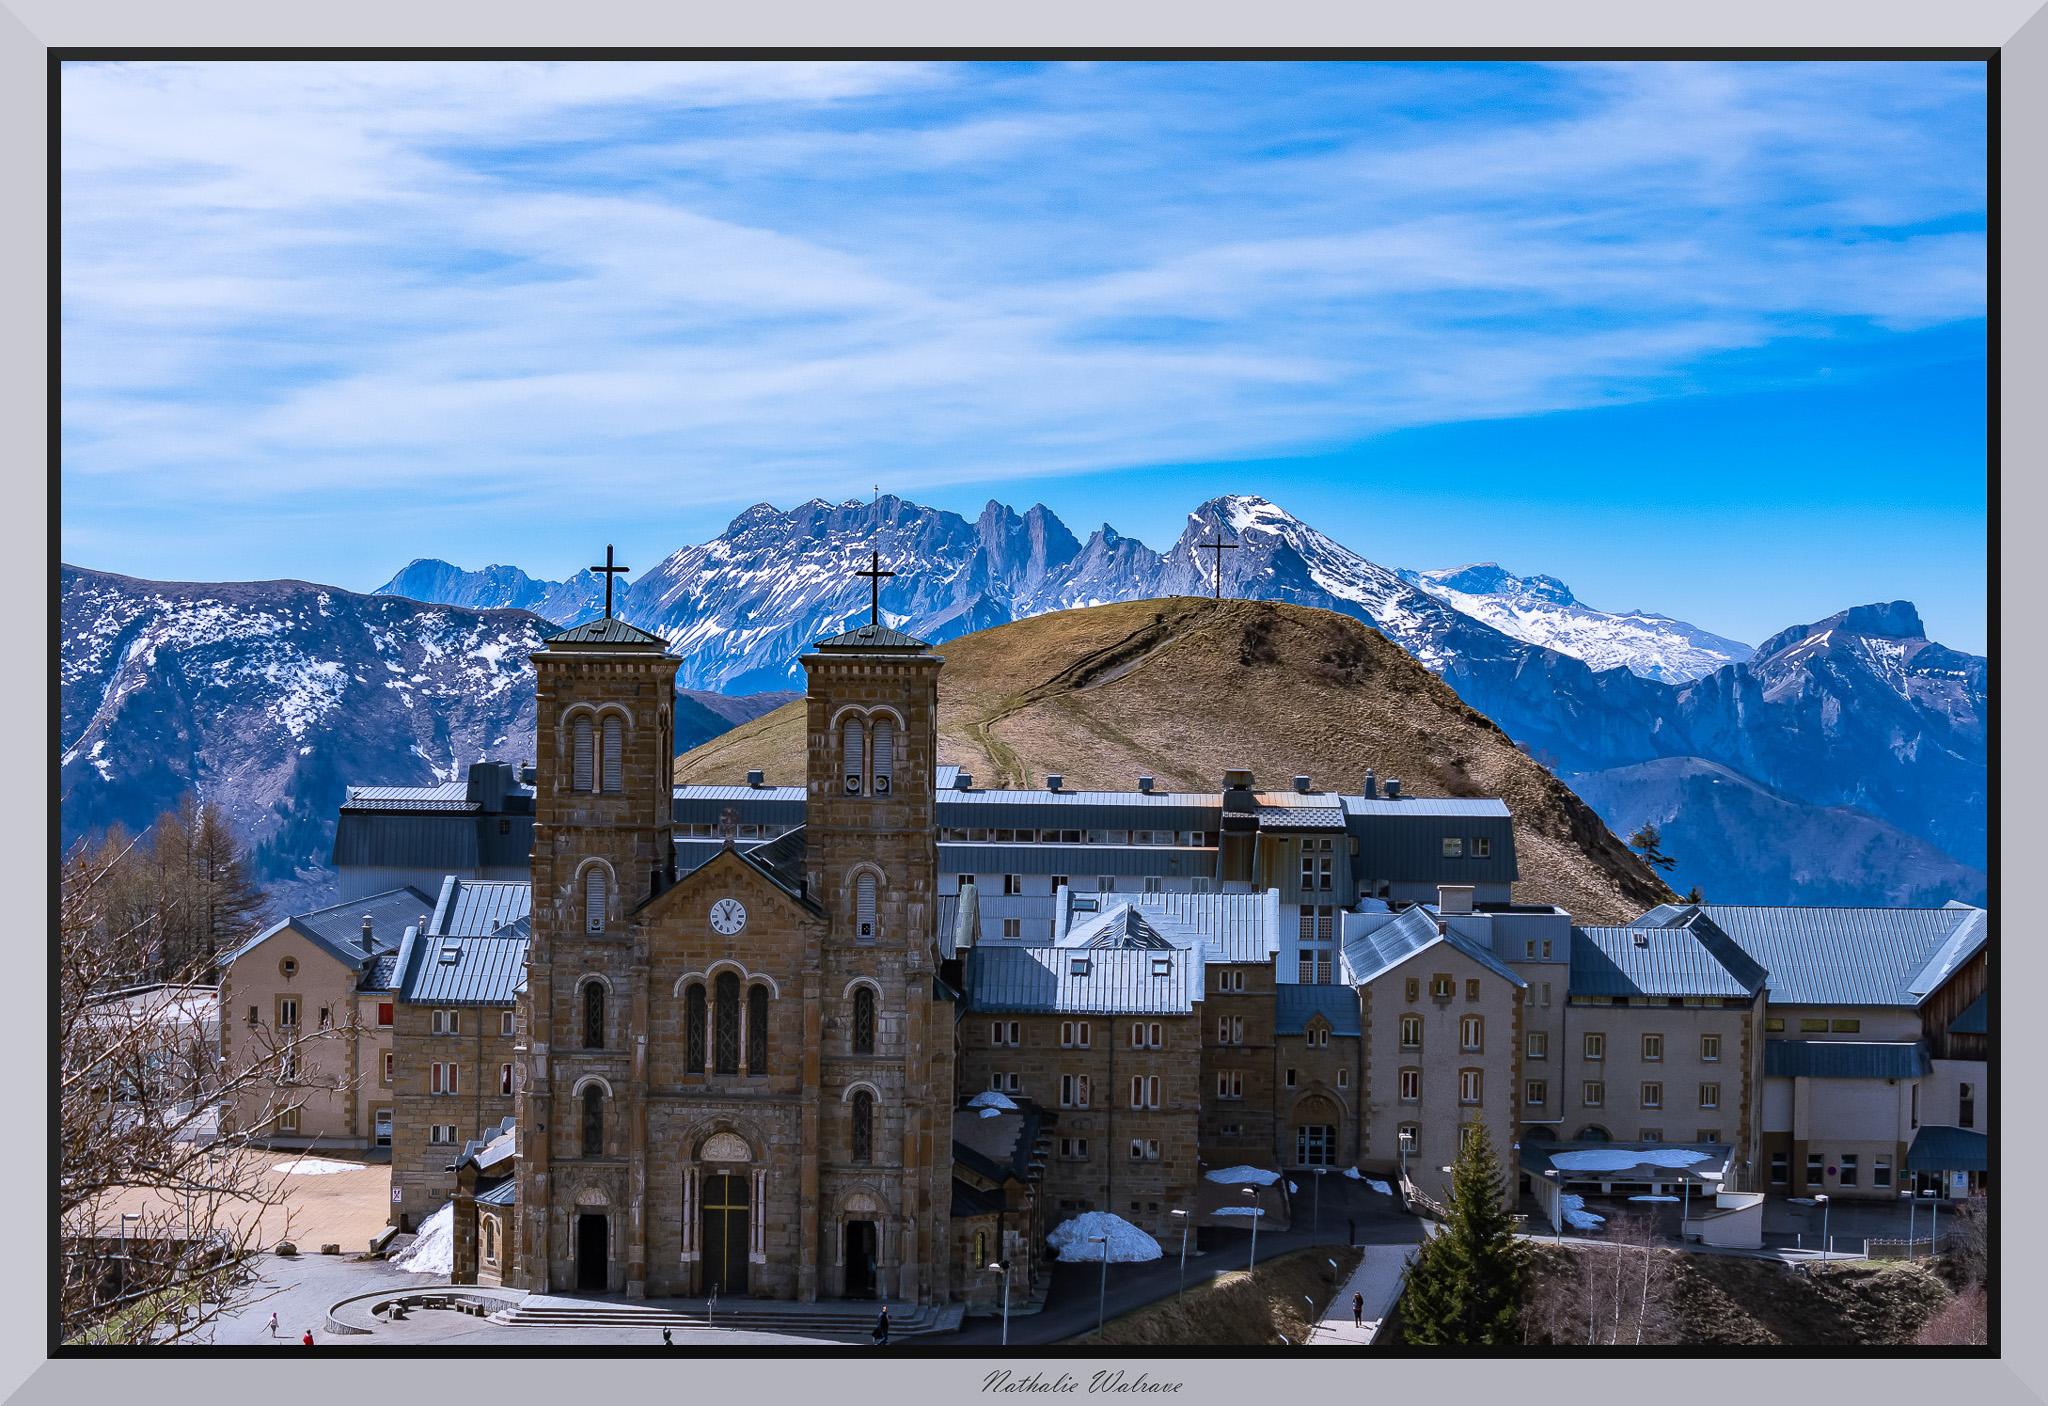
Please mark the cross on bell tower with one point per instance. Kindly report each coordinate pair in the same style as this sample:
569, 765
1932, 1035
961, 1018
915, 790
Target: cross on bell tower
875, 576
608, 571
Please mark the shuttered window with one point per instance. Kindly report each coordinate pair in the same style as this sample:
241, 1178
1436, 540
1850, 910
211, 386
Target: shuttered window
580, 756
864, 908
854, 752
885, 756
614, 754
593, 899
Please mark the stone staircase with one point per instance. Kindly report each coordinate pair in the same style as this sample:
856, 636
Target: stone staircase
838, 1319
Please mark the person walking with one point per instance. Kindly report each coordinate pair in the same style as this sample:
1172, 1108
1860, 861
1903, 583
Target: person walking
308, 1339
668, 1338
1358, 1310
273, 1325
881, 1331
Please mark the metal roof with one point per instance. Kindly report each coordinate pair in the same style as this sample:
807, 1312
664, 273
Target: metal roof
1295, 817
484, 971
1077, 810
505, 1193
1941, 1148
449, 791
438, 807
1114, 980
382, 974
607, 629
1832, 956
1372, 954
338, 930
1660, 962
1293, 1004
1120, 925
1975, 1019
1845, 1059
1078, 861
1426, 805
1964, 943
478, 907
872, 637
442, 843
1232, 927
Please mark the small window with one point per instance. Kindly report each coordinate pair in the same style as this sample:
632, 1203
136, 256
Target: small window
1595, 1045
1653, 1095
1710, 1048
505, 1024
1546, 951
256, 1019
1813, 1027
1774, 1025
385, 1010
1411, 1085
1966, 1105
1881, 1171
1482, 847
853, 753
287, 1012
504, 827
1454, 847
383, 1127
390, 1066
1290, 1078
1013, 885
1472, 988
1229, 1083
1781, 1168
583, 755
864, 922
1537, 1093
1105, 883
1593, 1093
1013, 927
289, 967
1343, 1078
863, 1127
1546, 994
1059, 881
1472, 1033
505, 1079
1653, 1047
1414, 988
1411, 1032
1649, 1135
1539, 1044
593, 899
1077, 966
1845, 1027
1848, 1170
864, 1020
1816, 1168
1074, 1149
1409, 1136
1709, 1135
1153, 884
1470, 1084
1442, 987
1710, 1095
1073, 1090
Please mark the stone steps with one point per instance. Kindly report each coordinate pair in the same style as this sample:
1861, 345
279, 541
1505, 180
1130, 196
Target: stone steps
850, 1321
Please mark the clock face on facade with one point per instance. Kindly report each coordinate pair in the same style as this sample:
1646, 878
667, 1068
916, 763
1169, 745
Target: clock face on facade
727, 916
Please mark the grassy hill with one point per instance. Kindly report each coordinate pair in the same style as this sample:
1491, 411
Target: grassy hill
1185, 688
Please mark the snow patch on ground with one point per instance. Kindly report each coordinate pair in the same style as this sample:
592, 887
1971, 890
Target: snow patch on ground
1381, 1187
434, 1251
1070, 1240
1672, 1199
1238, 1211
316, 1167
1622, 1159
1257, 1176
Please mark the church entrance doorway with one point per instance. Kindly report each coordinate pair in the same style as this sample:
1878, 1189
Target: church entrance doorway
860, 1259
725, 1234
593, 1254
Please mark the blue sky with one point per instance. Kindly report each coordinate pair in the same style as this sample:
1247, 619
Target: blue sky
1701, 338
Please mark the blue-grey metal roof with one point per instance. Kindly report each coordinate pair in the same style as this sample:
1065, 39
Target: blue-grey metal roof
1439, 806
1833, 956
872, 637
405, 841
754, 805
338, 930
1078, 861
1938, 1147
1660, 962
382, 974
1119, 925
483, 971
1964, 943
606, 629
1400, 843
1078, 810
1293, 1004
451, 793
1414, 930
504, 1193
478, 907
1116, 980
1232, 927
1845, 1059
1281, 817
1975, 1019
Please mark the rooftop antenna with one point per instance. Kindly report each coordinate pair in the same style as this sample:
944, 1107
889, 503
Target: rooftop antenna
608, 571
1219, 546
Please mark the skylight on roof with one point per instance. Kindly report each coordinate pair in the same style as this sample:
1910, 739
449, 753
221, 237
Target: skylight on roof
450, 955
1078, 967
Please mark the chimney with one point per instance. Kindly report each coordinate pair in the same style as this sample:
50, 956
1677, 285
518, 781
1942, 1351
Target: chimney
369, 941
1454, 898
756, 780
1145, 784
1053, 781
1301, 784
1393, 788
963, 780
1372, 784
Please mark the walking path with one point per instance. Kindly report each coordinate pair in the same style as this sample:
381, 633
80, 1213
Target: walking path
1378, 1277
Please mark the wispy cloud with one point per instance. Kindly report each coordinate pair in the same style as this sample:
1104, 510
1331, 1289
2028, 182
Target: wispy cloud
726, 282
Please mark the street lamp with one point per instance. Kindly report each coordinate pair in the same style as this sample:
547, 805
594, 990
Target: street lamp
1320, 1172
1557, 1206
1003, 1266
1827, 1252
1101, 1298
1184, 1222
1912, 1205
126, 1216
1934, 1220
1253, 1192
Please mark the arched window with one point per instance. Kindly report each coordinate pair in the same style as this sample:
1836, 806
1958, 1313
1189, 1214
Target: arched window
885, 755
728, 1032
491, 1238
593, 1121
593, 899
593, 1016
694, 1043
863, 1020
580, 756
852, 749
614, 754
981, 1249
864, 908
757, 1029
863, 1126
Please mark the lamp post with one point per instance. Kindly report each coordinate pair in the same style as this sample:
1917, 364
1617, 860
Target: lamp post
1184, 1221
1912, 1206
1827, 1252
126, 1216
1320, 1172
1934, 1220
1102, 1297
1003, 1266
1253, 1192
1557, 1203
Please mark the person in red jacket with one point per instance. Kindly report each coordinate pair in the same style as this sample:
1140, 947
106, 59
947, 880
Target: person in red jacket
308, 1339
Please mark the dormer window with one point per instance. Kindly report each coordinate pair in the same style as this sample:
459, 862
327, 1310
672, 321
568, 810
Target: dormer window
1162, 966
1078, 966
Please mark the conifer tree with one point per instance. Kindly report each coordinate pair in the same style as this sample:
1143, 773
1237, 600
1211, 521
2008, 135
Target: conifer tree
1648, 843
1466, 1284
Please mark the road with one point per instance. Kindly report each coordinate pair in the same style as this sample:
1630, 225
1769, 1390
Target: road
1070, 1308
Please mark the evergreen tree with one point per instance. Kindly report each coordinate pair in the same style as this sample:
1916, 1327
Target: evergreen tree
1648, 843
1465, 1286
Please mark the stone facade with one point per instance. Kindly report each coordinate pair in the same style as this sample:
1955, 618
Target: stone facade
1238, 1103
1318, 1082
433, 1122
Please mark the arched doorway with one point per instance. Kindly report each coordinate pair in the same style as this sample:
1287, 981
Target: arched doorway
725, 1233
1316, 1120
862, 1243
593, 1252
1593, 1132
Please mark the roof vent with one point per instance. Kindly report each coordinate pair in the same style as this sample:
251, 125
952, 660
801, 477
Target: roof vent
368, 939
1642, 939
1372, 784
1301, 784
1393, 788
963, 780
1145, 784
1054, 781
755, 779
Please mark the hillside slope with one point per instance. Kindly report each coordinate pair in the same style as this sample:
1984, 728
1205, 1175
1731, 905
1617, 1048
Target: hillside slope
1185, 688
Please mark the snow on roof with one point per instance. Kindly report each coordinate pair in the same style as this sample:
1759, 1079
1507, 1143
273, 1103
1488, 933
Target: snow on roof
992, 1104
1125, 1243
1625, 1159
1257, 1176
